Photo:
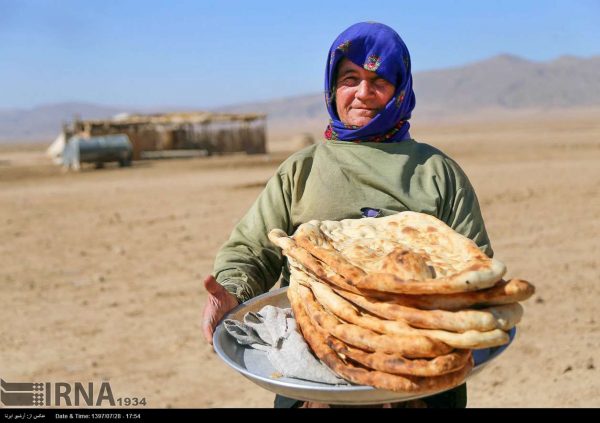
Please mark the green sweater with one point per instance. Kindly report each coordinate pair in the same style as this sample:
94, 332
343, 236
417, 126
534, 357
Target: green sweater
333, 181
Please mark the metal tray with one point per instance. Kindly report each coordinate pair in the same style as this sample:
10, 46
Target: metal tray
254, 364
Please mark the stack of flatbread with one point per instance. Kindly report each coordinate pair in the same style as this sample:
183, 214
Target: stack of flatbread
398, 302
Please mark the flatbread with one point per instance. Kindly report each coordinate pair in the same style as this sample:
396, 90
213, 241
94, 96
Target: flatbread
359, 375
503, 317
409, 252
411, 346
398, 364
302, 259
470, 339
504, 292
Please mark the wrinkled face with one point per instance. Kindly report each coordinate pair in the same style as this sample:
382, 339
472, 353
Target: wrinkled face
360, 94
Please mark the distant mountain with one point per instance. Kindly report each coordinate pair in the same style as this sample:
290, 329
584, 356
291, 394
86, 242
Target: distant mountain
44, 122
311, 106
504, 82
501, 82
510, 82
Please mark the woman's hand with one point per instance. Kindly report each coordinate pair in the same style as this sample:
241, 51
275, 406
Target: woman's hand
218, 303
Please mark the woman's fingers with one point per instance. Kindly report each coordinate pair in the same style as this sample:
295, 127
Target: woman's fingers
212, 286
218, 303
208, 321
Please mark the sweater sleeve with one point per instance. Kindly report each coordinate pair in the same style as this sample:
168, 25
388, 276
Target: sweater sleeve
461, 210
249, 264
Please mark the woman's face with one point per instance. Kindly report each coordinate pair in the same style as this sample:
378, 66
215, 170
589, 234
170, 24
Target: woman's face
360, 94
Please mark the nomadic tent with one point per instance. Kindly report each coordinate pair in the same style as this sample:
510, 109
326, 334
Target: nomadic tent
55, 150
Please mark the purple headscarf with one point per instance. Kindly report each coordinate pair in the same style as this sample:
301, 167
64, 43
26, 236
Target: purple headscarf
377, 48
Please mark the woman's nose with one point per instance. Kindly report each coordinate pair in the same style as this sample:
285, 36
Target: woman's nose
364, 89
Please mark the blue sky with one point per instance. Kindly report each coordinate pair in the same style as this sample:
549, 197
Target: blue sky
211, 53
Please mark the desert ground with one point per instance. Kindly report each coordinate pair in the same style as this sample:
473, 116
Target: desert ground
100, 271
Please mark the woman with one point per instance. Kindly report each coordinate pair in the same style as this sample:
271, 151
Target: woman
368, 161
